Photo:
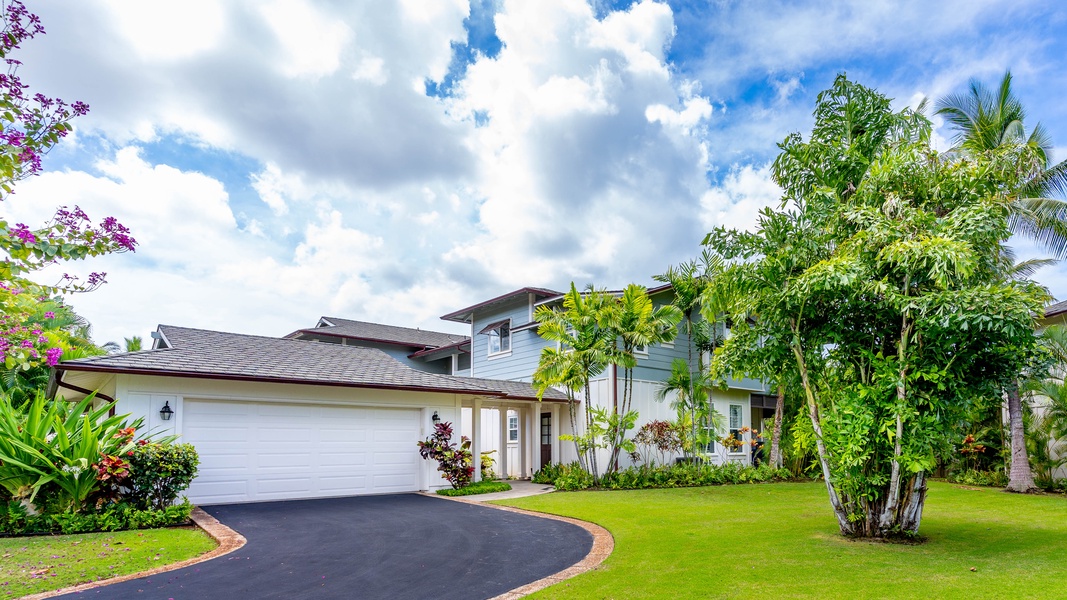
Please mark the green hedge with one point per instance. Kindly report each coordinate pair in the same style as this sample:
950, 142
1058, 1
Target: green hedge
159, 473
14, 520
571, 477
481, 487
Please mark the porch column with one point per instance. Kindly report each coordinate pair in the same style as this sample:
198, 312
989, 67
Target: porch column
557, 414
502, 454
476, 438
524, 460
533, 444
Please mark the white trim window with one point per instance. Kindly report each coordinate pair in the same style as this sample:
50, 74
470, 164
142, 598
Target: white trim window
641, 351
736, 423
499, 338
513, 428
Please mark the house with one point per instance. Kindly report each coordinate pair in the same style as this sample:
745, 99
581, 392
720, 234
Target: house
277, 418
336, 409
504, 344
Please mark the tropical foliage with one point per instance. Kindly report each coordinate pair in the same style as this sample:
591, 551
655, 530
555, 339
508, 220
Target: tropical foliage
454, 461
880, 277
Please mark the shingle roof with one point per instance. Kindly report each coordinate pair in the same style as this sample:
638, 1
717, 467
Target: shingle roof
1054, 309
219, 355
519, 389
463, 315
376, 332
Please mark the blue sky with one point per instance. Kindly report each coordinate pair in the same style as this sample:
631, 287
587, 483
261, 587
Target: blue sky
287, 159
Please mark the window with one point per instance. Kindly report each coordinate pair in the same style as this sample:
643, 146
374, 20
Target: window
735, 428
513, 428
499, 338
641, 351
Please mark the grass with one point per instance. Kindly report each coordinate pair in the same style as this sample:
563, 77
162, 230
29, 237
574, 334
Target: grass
37, 564
480, 487
781, 541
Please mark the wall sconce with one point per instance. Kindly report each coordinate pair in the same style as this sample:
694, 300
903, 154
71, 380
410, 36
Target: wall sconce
436, 418
166, 412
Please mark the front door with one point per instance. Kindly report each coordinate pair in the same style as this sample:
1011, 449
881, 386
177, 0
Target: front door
546, 439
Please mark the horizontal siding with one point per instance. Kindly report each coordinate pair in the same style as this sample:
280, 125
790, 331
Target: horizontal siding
525, 345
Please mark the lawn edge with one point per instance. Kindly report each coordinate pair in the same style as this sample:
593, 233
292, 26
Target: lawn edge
228, 540
603, 545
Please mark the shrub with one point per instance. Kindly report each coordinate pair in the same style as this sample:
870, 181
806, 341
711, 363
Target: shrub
15, 520
974, 477
159, 473
487, 466
663, 438
455, 462
547, 474
686, 474
481, 487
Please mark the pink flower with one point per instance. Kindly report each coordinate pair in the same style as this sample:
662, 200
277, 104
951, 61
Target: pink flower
52, 356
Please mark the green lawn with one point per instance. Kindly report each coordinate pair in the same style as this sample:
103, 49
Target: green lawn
37, 564
781, 541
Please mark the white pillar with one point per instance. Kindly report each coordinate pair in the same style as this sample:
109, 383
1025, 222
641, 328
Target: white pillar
524, 460
534, 444
476, 438
557, 414
502, 454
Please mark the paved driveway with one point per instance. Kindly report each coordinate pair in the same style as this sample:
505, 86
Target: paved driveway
396, 546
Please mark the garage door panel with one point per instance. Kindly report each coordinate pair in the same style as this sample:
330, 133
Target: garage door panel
340, 484
263, 451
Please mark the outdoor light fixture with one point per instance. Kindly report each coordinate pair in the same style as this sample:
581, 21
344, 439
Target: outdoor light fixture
436, 418
166, 412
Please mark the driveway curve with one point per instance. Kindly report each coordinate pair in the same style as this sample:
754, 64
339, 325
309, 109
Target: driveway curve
395, 546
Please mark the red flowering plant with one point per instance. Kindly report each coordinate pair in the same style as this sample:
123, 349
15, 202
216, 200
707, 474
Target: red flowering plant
454, 461
30, 125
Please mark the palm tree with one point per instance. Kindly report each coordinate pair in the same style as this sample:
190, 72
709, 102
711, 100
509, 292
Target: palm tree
637, 322
584, 350
990, 122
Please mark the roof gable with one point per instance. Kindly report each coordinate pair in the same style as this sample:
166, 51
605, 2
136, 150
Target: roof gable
377, 332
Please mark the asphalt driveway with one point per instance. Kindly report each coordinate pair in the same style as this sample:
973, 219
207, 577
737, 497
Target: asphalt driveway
397, 546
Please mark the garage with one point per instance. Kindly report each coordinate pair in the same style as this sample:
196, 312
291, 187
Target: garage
253, 451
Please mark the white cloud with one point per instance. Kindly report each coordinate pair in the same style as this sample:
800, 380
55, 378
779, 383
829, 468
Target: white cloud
311, 41
168, 30
735, 204
588, 165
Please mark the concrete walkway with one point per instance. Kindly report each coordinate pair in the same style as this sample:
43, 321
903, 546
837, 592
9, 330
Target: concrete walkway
520, 488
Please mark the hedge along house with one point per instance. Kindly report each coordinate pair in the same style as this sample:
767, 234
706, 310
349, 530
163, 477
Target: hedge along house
276, 419
504, 344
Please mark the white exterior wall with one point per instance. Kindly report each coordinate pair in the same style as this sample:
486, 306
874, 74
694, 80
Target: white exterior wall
650, 409
143, 396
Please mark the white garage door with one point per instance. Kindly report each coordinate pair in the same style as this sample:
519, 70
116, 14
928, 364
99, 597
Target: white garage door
261, 451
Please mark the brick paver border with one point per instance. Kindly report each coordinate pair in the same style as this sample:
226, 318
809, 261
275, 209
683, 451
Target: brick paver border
603, 545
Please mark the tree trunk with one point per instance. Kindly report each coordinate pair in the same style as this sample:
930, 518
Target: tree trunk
1020, 478
572, 406
846, 526
776, 436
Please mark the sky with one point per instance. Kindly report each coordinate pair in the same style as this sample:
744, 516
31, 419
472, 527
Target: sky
282, 160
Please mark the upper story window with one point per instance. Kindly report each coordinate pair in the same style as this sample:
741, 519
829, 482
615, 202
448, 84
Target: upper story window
641, 351
499, 337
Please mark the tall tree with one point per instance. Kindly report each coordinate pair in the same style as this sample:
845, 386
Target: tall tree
688, 282
992, 122
583, 350
636, 322
880, 276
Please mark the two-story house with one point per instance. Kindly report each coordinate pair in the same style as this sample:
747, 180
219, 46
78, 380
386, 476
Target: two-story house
336, 409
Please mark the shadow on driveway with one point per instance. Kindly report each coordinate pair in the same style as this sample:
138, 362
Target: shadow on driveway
396, 546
